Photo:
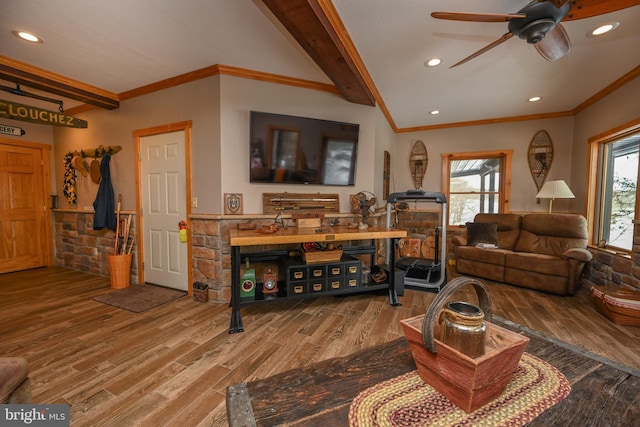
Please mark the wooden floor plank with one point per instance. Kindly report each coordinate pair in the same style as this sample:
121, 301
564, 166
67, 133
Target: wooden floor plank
174, 362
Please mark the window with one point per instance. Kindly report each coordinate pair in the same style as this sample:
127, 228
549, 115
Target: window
613, 188
339, 161
476, 183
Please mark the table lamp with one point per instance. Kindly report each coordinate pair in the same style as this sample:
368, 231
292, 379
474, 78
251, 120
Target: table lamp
557, 189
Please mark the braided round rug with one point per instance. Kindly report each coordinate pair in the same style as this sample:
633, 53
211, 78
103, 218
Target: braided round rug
408, 401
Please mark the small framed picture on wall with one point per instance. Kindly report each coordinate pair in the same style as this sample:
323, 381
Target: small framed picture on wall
232, 204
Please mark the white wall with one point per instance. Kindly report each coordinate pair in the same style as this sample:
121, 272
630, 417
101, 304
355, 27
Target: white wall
219, 107
196, 101
619, 107
501, 136
385, 141
239, 96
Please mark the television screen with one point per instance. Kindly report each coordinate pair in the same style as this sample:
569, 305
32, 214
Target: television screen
299, 150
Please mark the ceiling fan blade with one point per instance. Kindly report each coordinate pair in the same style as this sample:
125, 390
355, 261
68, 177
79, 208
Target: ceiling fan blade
477, 17
555, 44
501, 40
581, 9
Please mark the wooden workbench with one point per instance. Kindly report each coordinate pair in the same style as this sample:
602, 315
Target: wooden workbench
292, 235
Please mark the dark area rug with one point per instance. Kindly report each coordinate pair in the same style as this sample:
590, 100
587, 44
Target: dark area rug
140, 298
603, 393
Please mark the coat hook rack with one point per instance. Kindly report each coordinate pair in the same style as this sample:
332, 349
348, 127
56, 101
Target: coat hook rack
98, 152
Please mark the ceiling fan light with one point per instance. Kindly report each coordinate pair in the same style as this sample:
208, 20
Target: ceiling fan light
433, 62
30, 37
555, 45
535, 31
603, 29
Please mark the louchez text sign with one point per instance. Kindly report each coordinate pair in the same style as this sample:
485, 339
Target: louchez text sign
26, 113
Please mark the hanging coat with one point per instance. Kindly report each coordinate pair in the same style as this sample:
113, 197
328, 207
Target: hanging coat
104, 205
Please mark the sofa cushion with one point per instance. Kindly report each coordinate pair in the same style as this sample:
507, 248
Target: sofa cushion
480, 269
552, 234
561, 225
539, 263
538, 281
482, 232
508, 227
489, 256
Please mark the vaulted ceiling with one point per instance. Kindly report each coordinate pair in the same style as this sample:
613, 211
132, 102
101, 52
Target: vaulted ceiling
370, 52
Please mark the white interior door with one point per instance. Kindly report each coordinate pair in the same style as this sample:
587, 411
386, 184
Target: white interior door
164, 205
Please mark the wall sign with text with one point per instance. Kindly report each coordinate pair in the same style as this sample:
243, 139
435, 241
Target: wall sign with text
11, 130
26, 113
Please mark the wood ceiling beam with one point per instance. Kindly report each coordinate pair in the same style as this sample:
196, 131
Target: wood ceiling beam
37, 78
308, 23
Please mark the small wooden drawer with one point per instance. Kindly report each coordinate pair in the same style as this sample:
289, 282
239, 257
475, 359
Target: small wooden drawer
298, 273
316, 286
298, 288
335, 284
352, 282
317, 272
353, 268
334, 270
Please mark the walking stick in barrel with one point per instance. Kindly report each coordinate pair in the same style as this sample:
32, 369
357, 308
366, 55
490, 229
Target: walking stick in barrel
115, 246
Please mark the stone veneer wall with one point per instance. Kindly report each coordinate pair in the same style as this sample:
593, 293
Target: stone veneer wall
211, 251
79, 247
610, 268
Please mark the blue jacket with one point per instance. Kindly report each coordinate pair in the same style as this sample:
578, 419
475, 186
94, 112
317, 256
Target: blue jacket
104, 204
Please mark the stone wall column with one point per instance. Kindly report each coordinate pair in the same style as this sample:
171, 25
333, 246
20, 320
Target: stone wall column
79, 247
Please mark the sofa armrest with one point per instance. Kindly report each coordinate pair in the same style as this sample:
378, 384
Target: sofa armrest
459, 240
578, 254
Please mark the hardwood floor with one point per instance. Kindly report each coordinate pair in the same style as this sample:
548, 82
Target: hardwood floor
171, 365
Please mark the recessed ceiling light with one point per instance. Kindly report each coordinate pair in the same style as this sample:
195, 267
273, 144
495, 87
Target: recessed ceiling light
30, 37
434, 112
603, 29
535, 99
433, 62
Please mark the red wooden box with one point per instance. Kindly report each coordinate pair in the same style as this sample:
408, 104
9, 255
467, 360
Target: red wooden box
467, 382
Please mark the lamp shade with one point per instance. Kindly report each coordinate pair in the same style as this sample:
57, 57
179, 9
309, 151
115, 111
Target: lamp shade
557, 189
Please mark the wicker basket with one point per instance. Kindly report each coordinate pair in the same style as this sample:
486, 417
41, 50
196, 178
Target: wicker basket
468, 382
618, 305
120, 270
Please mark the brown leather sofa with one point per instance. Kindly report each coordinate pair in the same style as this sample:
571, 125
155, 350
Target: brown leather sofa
546, 252
15, 386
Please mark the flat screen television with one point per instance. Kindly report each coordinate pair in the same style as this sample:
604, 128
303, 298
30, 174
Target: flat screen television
298, 150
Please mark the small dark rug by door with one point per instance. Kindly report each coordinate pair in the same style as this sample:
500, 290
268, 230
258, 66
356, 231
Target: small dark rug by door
140, 298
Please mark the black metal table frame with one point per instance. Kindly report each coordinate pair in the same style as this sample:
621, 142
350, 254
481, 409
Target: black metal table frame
236, 317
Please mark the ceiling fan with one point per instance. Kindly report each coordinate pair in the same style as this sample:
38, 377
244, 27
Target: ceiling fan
539, 23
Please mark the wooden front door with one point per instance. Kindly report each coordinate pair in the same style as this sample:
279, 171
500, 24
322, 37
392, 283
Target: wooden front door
24, 218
